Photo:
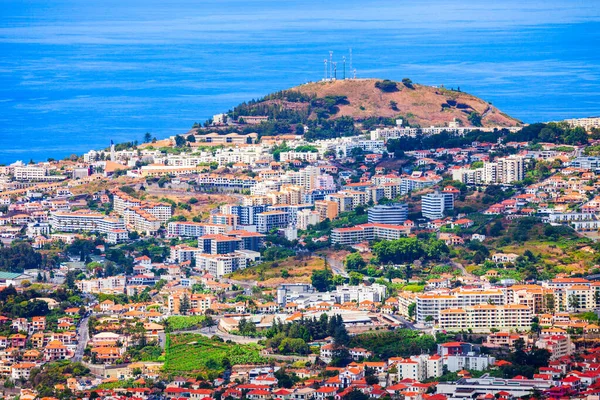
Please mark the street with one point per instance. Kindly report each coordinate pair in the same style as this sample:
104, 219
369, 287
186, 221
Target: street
337, 266
83, 333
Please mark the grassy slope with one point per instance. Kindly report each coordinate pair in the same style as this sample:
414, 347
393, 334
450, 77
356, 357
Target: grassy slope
269, 273
422, 106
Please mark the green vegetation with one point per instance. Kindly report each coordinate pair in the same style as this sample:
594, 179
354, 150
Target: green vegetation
474, 118
277, 253
553, 132
292, 337
408, 83
45, 377
306, 149
525, 363
179, 323
198, 355
386, 86
18, 257
398, 343
407, 250
323, 280
354, 262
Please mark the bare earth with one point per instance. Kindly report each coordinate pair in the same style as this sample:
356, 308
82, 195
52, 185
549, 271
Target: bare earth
421, 105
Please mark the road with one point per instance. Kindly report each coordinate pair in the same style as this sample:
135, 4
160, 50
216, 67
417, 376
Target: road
462, 269
337, 266
83, 335
245, 285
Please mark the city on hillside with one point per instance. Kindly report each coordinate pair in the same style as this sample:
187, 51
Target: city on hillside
290, 249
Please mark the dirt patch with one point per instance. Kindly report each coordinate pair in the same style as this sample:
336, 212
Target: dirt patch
423, 105
271, 274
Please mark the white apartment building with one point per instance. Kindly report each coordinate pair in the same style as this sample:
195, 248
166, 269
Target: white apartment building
504, 170
432, 304
61, 221
288, 156
468, 176
140, 220
469, 361
368, 232
345, 293
102, 285
419, 367
195, 229
222, 264
306, 218
30, 173
417, 182
433, 205
585, 123
269, 220
483, 317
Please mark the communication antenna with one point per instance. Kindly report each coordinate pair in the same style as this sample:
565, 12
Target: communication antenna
330, 63
335, 70
325, 78
344, 58
351, 59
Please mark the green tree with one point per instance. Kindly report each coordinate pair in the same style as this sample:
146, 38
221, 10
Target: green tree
475, 118
386, 85
179, 141
322, 279
356, 278
354, 262
408, 83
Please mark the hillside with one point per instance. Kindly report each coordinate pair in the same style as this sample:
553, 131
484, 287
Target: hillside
420, 105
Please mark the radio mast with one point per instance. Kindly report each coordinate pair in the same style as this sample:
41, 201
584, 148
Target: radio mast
351, 59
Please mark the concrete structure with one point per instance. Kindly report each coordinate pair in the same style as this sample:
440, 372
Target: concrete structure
434, 205
391, 214
269, 220
483, 317
367, 232
84, 221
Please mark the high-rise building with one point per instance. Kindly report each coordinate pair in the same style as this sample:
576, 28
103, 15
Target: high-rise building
393, 214
433, 205
504, 170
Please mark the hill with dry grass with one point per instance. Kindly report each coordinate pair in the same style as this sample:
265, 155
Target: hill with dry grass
419, 104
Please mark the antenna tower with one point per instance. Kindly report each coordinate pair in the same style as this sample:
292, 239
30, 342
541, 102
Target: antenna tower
335, 70
325, 77
351, 59
330, 64
344, 58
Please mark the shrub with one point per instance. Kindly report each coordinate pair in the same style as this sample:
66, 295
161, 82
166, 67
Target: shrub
386, 86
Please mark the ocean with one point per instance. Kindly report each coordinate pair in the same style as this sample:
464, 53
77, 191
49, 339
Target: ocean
76, 74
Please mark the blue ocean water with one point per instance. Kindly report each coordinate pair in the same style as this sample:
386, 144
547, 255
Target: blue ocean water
75, 74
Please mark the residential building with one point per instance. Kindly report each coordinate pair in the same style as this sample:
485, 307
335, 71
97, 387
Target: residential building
483, 317
391, 214
367, 232
434, 205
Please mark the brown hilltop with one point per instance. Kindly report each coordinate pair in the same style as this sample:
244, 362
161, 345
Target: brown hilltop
421, 105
